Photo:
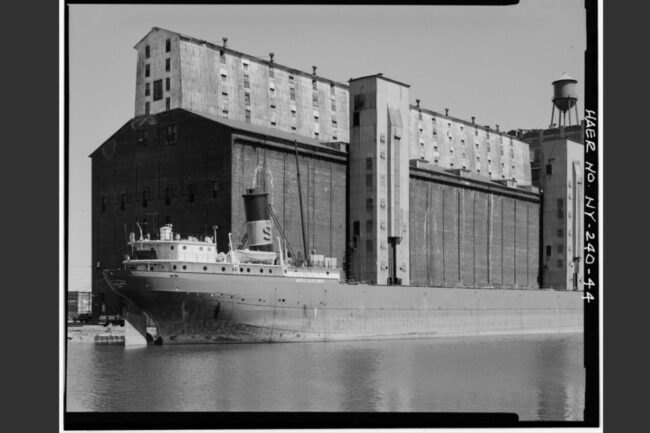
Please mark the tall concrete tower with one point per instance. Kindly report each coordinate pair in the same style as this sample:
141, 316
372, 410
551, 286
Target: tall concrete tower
565, 97
379, 180
558, 170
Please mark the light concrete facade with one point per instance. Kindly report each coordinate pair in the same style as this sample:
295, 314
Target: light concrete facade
439, 140
379, 180
216, 80
562, 213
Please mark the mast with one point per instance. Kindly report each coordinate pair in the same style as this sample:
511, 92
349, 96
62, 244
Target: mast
302, 219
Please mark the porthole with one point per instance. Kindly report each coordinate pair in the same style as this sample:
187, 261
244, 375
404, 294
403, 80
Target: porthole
328, 272
174, 267
241, 269
184, 247
151, 268
200, 248
223, 269
261, 271
205, 268
184, 267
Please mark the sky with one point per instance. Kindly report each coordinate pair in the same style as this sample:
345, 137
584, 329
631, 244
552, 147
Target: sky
493, 62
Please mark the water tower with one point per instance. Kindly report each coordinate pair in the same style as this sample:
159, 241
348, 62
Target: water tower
565, 97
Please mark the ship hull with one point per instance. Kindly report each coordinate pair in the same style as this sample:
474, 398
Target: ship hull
203, 308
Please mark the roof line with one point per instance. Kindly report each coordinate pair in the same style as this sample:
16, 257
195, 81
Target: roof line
457, 119
244, 55
381, 75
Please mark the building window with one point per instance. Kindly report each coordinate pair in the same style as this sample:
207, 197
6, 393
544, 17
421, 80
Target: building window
247, 84
146, 107
168, 45
291, 79
315, 99
103, 203
292, 93
145, 198
560, 233
334, 123
560, 214
147, 89
369, 204
147, 70
369, 180
172, 133
560, 248
247, 99
549, 249
560, 263
122, 200
157, 90
369, 164
191, 192
168, 195
142, 138
333, 105
147, 52
314, 84
370, 246
168, 64
271, 73
248, 116
222, 57
355, 119
560, 202
168, 84
549, 169
215, 188
167, 104
359, 101
331, 89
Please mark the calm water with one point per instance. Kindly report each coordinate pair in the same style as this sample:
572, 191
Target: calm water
538, 377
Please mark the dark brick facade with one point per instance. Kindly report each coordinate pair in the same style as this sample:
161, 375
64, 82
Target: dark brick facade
469, 234
191, 171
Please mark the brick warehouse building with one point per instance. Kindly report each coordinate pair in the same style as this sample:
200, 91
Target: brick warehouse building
398, 193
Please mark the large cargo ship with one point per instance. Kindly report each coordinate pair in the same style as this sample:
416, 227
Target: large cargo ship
263, 293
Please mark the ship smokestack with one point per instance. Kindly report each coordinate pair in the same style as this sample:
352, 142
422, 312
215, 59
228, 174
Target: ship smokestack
258, 222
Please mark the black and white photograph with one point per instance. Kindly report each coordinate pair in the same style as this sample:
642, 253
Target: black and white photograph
331, 216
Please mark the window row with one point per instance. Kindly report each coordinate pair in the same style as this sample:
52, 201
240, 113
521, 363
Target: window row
147, 67
171, 136
168, 48
157, 88
144, 197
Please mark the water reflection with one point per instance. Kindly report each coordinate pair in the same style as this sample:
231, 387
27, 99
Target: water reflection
537, 377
